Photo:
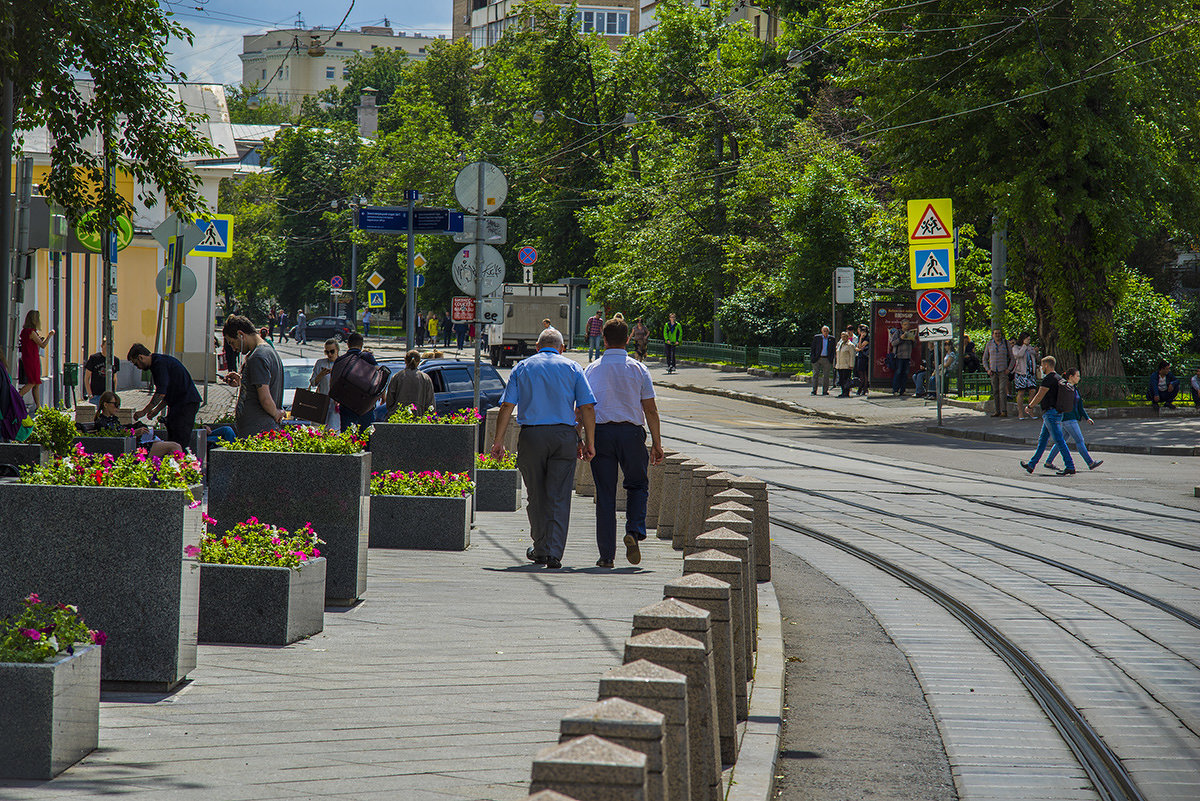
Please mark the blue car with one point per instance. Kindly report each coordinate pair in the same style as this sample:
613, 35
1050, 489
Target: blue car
454, 385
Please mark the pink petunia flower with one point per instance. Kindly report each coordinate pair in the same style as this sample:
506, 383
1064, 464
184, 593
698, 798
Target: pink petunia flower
33, 598
192, 550
32, 634
99, 637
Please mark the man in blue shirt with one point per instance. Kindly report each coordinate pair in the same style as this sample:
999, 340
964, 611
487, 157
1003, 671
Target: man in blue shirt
553, 396
173, 388
624, 403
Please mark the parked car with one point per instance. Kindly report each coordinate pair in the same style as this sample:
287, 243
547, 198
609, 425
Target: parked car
454, 385
321, 328
296, 372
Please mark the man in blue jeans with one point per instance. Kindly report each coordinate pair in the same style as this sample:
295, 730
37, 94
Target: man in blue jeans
1047, 394
624, 403
595, 327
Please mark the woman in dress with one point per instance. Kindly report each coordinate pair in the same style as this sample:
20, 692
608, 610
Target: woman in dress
862, 356
31, 344
1025, 381
641, 338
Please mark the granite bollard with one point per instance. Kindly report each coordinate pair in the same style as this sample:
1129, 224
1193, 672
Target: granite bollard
421, 522
654, 496
684, 502
510, 433
707, 483
51, 713
590, 768
693, 621
125, 570
728, 541
757, 490
627, 724
740, 524
690, 657
498, 490
726, 568
713, 595
655, 687
331, 491
261, 605
668, 499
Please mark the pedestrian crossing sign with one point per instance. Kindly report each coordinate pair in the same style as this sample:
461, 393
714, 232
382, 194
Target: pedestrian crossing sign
218, 236
931, 267
376, 299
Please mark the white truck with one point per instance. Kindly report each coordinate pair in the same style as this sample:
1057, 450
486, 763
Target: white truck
525, 306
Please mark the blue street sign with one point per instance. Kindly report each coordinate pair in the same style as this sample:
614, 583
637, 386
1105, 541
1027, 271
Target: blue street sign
418, 280
113, 246
394, 220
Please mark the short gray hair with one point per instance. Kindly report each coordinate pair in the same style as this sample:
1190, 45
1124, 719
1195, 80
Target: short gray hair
550, 338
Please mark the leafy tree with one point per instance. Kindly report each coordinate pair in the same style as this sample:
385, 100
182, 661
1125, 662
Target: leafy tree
381, 69
47, 45
1068, 120
268, 112
244, 278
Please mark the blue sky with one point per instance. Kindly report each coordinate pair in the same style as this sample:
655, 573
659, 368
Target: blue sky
218, 26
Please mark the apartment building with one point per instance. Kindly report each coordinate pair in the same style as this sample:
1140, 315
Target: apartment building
485, 21
290, 64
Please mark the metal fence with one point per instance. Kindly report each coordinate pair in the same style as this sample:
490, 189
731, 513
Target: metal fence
1092, 388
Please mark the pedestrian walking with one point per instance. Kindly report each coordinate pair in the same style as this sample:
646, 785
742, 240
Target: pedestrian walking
625, 406
1071, 420
460, 332
260, 383
1047, 396
862, 359
821, 358
366, 322
270, 323
409, 387
900, 344
301, 327
319, 381
446, 329
595, 329
422, 327
641, 339
997, 360
1195, 384
231, 355
672, 336
283, 332
844, 362
431, 323
1025, 381
552, 396
96, 368
349, 417
31, 343
174, 390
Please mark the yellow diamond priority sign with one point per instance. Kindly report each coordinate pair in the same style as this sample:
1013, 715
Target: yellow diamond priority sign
375, 280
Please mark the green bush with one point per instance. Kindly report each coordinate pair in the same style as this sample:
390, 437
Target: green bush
1148, 326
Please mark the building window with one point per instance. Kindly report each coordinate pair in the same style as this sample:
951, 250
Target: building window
420, 50
609, 23
345, 73
264, 75
339, 44
278, 43
757, 26
329, 73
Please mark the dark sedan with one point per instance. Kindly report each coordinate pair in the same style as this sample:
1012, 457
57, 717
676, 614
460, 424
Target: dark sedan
454, 385
320, 328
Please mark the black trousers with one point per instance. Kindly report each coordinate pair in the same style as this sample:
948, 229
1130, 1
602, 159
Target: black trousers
180, 421
670, 348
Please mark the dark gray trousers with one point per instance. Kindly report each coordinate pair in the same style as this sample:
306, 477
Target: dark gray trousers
546, 458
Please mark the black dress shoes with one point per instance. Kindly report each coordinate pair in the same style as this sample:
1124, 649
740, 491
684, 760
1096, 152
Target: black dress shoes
535, 558
605, 563
552, 563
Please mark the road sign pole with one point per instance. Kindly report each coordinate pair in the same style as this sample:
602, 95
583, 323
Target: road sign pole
479, 233
354, 270
176, 268
937, 383
208, 322
410, 294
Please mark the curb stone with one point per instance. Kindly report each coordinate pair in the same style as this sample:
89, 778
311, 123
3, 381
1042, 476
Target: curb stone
1099, 447
762, 400
753, 777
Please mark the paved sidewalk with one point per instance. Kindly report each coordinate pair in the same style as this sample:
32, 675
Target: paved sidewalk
1174, 435
442, 684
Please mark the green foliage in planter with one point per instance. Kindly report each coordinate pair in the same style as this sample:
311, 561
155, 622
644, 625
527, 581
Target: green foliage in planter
253, 543
53, 428
42, 631
177, 471
303, 439
461, 417
430, 483
485, 461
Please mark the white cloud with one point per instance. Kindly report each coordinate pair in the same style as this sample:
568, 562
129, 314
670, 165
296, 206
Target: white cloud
213, 55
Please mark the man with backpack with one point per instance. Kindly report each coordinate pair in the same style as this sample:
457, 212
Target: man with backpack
1057, 397
260, 383
356, 383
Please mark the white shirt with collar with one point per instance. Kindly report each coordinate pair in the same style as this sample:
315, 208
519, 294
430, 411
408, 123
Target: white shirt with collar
620, 384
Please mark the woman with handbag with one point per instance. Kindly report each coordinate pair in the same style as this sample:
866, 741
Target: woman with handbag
320, 381
1025, 381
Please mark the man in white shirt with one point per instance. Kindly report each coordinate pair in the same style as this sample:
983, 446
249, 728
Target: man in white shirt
624, 404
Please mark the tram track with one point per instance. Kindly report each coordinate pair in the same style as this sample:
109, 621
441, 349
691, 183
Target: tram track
1105, 769
1042, 513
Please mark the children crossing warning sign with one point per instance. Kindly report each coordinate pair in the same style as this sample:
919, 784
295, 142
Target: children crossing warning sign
931, 267
930, 221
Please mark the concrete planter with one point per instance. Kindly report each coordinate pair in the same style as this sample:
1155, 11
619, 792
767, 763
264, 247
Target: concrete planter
51, 714
416, 447
498, 490
21, 453
117, 446
126, 569
331, 491
255, 605
420, 522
